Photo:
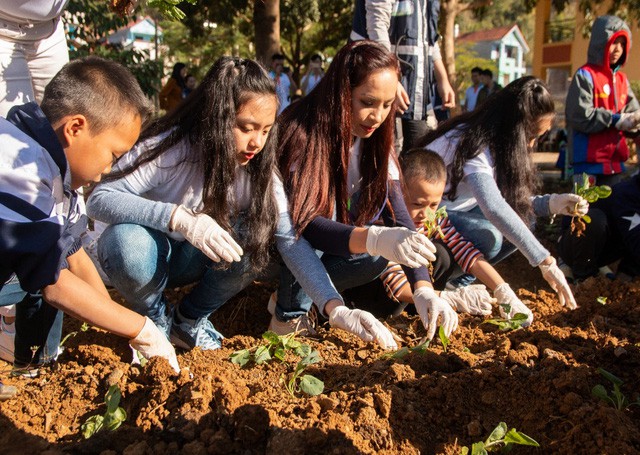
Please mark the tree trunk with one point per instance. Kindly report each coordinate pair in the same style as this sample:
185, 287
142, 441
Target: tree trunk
448, 13
266, 23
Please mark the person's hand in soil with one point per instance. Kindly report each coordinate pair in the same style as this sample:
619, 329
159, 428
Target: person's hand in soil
473, 299
568, 204
205, 234
361, 323
556, 279
399, 244
151, 342
505, 296
430, 307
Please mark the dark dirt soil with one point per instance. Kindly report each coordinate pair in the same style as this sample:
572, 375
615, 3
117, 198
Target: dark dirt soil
537, 380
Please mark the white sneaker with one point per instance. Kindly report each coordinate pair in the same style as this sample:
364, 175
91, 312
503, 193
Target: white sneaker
7, 337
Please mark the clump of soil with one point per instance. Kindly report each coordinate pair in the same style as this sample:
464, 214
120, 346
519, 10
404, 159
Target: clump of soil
537, 380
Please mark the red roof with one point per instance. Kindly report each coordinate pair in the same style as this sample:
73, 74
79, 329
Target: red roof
495, 34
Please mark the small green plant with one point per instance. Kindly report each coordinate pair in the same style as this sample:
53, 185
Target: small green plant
505, 324
444, 339
617, 399
602, 300
404, 351
591, 194
276, 347
431, 221
500, 440
306, 383
83, 328
111, 419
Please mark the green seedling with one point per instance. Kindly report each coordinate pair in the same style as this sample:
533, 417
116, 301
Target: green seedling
431, 221
111, 419
169, 8
404, 351
505, 324
602, 300
443, 338
276, 347
591, 194
306, 383
83, 328
500, 440
617, 399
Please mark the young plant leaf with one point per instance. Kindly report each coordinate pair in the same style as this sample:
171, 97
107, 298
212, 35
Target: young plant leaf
262, 355
303, 350
478, 449
498, 433
271, 337
279, 353
312, 357
516, 437
241, 357
311, 385
610, 376
443, 338
602, 300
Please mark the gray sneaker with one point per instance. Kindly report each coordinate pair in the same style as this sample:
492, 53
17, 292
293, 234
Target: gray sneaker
304, 325
201, 333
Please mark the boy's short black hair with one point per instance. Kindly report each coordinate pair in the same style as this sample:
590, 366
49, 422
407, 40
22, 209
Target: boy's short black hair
102, 90
316, 57
476, 69
423, 164
277, 57
487, 72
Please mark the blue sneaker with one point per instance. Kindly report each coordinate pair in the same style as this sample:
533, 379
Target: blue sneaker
191, 333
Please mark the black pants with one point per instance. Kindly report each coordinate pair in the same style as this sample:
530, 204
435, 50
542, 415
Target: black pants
598, 247
372, 296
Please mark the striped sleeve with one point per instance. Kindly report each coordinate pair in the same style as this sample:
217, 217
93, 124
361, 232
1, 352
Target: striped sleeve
393, 279
464, 253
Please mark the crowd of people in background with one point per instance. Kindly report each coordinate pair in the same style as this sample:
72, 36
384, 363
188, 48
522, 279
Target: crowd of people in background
338, 175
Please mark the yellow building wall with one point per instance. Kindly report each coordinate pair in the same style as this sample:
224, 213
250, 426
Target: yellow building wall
578, 47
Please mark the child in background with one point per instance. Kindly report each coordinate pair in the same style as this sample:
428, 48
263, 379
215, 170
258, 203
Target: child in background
200, 188
613, 234
601, 107
90, 116
425, 178
172, 93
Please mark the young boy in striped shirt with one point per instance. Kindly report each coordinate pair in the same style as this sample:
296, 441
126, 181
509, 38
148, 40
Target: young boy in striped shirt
425, 178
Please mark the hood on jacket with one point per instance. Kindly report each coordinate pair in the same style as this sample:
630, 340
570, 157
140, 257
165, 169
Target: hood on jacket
603, 33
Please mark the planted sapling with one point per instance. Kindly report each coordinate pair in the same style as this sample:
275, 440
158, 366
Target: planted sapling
505, 324
306, 383
591, 194
431, 221
276, 347
617, 399
444, 339
111, 419
404, 351
500, 440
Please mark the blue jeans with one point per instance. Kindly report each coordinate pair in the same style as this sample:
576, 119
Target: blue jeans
38, 324
345, 273
141, 262
473, 226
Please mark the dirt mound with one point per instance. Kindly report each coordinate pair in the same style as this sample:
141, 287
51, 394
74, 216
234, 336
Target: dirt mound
538, 380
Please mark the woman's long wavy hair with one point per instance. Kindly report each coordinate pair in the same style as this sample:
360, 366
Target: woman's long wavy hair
315, 139
206, 120
505, 123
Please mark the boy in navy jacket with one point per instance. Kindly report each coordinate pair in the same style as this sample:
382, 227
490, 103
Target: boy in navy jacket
91, 115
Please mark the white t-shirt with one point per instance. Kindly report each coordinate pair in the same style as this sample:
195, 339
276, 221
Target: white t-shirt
283, 90
445, 146
354, 178
313, 81
26, 11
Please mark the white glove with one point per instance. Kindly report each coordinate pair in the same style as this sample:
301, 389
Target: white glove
399, 244
429, 307
472, 299
558, 283
628, 121
152, 342
505, 296
205, 234
568, 204
362, 324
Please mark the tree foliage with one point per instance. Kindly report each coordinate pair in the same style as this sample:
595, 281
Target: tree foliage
89, 23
